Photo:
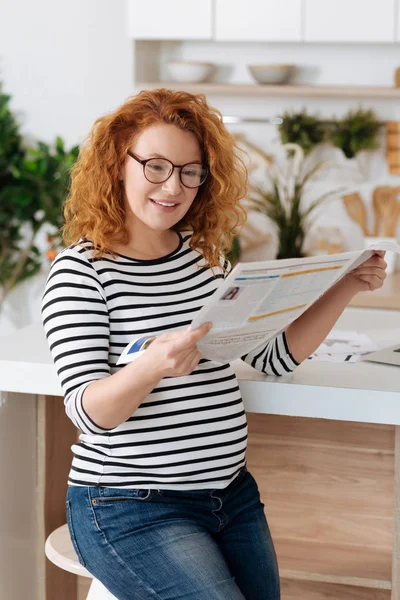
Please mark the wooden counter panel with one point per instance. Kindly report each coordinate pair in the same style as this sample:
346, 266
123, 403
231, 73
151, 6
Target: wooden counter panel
336, 478
328, 491
365, 437
344, 561
300, 590
298, 522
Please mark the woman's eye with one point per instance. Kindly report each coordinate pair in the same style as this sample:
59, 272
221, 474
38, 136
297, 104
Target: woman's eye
191, 172
156, 167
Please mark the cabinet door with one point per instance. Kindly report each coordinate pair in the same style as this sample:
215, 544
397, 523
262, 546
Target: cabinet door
398, 22
170, 19
258, 20
350, 20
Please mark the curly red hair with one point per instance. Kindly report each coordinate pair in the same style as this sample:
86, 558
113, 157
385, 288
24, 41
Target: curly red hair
95, 206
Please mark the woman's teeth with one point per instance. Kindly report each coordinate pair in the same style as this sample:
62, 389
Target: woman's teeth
164, 203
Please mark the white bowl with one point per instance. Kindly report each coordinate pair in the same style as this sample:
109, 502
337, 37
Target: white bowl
189, 71
272, 74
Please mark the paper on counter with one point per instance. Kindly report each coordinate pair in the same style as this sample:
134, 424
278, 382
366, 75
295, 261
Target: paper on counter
343, 346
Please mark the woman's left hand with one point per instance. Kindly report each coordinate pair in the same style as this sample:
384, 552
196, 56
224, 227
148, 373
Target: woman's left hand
370, 275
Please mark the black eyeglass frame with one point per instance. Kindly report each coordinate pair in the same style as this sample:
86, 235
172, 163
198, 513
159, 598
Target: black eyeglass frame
143, 162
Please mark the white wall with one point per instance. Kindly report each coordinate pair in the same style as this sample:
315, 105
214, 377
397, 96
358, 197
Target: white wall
64, 64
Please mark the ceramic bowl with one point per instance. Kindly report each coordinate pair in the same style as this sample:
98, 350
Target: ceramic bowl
190, 71
272, 74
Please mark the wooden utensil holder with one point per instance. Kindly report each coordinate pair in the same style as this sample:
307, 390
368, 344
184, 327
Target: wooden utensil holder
397, 77
393, 147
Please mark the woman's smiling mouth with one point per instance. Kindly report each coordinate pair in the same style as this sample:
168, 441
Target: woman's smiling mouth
164, 204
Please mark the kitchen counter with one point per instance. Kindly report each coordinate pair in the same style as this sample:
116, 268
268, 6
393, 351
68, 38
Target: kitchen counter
315, 389
366, 393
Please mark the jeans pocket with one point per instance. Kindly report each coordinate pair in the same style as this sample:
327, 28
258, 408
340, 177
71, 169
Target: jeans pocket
72, 534
111, 496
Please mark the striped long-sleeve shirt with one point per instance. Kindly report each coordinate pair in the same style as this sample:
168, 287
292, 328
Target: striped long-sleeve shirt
190, 432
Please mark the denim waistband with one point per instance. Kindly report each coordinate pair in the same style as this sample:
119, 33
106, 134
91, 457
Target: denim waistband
98, 491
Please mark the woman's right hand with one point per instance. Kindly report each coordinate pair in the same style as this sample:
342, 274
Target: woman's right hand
175, 353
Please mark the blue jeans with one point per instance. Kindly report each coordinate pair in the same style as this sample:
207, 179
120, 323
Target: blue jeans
164, 544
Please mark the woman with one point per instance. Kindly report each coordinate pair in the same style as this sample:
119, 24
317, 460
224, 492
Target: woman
160, 504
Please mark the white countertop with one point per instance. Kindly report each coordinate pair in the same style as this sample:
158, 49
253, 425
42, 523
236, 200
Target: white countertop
365, 392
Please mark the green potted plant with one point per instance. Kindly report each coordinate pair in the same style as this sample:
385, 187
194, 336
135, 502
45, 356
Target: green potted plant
33, 186
234, 253
303, 129
356, 131
281, 199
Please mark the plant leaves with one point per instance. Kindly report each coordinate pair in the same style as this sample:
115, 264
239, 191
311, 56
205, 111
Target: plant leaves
32, 180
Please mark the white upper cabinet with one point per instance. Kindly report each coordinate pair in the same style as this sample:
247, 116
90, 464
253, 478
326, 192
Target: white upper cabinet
258, 20
170, 19
350, 20
398, 22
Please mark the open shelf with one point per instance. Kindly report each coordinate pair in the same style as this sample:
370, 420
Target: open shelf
276, 90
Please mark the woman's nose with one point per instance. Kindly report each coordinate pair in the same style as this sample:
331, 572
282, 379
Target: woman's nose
173, 185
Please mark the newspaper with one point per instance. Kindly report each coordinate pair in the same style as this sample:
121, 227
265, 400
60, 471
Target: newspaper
259, 300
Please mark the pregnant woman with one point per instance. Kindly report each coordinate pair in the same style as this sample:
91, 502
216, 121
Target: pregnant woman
160, 504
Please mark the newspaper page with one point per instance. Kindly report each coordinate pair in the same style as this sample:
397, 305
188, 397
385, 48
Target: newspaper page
258, 300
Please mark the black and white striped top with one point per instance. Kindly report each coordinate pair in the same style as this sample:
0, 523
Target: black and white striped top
190, 432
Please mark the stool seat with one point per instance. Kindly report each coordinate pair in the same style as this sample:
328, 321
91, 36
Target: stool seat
60, 551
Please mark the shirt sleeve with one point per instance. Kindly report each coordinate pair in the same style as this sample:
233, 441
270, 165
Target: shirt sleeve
76, 322
274, 358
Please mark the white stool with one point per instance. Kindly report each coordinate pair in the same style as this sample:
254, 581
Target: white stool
60, 551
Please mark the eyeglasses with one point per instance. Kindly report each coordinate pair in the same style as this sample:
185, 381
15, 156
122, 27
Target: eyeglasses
158, 170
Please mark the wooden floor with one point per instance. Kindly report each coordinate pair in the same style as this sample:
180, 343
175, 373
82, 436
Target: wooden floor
327, 487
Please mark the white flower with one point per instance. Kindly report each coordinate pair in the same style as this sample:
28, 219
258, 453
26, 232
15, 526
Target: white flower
39, 214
